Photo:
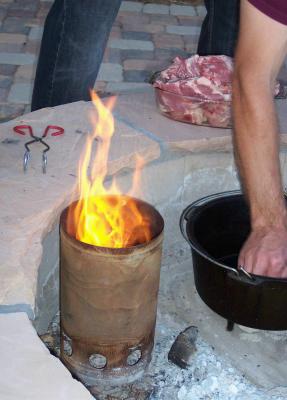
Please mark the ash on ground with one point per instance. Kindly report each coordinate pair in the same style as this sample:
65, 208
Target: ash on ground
209, 377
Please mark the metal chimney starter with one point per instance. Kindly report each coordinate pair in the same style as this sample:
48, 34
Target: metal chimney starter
108, 301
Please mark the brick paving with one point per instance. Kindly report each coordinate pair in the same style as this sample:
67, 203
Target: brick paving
144, 39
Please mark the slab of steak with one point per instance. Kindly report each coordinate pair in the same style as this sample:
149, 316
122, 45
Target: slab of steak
197, 90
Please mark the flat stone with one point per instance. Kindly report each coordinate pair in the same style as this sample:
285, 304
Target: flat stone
183, 30
36, 33
178, 10
126, 44
20, 93
26, 364
110, 72
131, 6
17, 58
156, 9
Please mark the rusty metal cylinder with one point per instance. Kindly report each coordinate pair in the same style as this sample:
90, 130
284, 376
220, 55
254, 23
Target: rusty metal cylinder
108, 302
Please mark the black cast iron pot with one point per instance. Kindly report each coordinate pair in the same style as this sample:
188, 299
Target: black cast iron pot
216, 227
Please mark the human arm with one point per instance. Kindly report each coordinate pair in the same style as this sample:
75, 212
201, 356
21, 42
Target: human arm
261, 50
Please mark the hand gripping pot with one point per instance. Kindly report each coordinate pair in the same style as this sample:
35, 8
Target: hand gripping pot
108, 305
216, 228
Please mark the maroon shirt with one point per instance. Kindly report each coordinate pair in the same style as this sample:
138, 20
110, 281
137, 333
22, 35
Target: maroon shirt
275, 9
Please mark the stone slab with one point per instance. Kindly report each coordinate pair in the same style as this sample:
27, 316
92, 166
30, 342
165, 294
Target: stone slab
31, 202
28, 370
37, 198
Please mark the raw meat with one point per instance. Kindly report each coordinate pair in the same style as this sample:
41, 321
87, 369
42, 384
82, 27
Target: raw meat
197, 90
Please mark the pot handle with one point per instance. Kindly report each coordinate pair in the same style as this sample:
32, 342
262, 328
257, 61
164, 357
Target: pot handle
186, 214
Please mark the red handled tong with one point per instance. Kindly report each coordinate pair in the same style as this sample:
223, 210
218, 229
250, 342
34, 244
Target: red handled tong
24, 129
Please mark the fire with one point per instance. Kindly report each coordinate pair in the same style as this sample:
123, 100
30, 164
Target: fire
104, 216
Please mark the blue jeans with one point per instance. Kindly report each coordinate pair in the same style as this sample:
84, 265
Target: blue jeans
72, 48
219, 30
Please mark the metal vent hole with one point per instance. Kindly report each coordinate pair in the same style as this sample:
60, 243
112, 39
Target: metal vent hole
98, 361
134, 357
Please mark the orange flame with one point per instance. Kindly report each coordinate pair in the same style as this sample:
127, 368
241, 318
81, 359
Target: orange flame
104, 216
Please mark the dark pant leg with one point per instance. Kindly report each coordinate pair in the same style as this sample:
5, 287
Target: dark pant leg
72, 48
220, 27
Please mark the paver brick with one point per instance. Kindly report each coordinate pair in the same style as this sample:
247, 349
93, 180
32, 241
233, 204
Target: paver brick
169, 54
32, 47
112, 56
138, 54
116, 33
36, 33
25, 73
138, 65
190, 21
20, 13
11, 47
125, 44
136, 18
10, 111
191, 48
17, 58
149, 28
137, 35
166, 41
131, 6
20, 93
118, 87
15, 38
137, 76
163, 19
15, 25
3, 94
182, 10
5, 81
201, 10
8, 70
111, 72
156, 9
100, 86
183, 30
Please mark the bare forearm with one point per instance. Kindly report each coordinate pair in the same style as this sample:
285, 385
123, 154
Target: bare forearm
257, 150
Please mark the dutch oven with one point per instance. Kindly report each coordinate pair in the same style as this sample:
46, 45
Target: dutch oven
216, 227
